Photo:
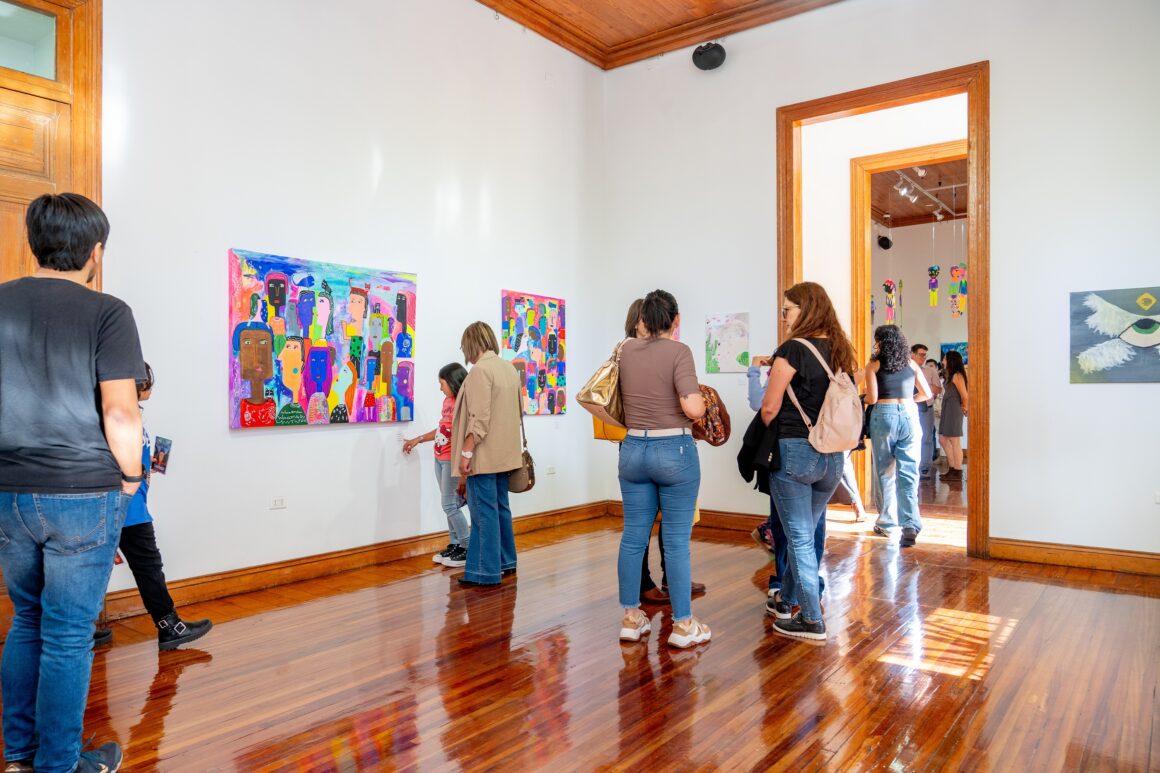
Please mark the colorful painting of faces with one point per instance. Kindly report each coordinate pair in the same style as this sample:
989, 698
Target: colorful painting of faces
533, 340
316, 343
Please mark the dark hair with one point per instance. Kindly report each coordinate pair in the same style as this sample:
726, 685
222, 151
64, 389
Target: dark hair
914, 349
453, 373
893, 353
63, 230
633, 318
819, 320
147, 384
932, 362
955, 365
658, 312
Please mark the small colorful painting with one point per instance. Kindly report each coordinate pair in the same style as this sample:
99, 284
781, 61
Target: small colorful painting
727, 343
960, 347
318, 343
1115, 336
533, 341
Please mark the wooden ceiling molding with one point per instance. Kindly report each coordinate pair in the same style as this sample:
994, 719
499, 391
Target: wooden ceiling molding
613, 33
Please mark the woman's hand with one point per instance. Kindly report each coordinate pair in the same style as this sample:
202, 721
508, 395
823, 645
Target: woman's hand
409, 445
464, 468
759, 362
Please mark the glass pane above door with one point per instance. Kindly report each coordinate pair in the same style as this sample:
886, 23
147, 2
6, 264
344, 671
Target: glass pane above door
27, 40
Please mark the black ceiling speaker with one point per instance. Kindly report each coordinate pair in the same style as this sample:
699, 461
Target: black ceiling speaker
709, 56
884, 242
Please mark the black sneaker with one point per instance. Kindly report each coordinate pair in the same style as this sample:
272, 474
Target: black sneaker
19, 766
798, 628
777, 607
106, 758
442, 554
101, 637
909, 537
172, 631
457, 557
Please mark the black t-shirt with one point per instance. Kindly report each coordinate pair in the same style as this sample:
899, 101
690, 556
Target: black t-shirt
809, 383
58, 341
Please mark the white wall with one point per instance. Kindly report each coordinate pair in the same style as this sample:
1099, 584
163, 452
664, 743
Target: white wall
826, 152
691, 180
422, 136
917, 247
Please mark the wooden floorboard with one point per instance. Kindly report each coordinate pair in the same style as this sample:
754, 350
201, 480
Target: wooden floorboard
935, 662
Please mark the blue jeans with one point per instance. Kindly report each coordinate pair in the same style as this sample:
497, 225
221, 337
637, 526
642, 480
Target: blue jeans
56, 552
491, 549
658, 474
457, 526
802, 488
926, 423
781, 546
896, 437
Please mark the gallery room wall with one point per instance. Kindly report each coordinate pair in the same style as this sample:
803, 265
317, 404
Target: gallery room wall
415, 136
691, 204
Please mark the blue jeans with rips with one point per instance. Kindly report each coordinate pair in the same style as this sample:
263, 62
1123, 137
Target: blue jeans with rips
457, 529
658, 473
56, 552
896, 437
491, 549
802, 488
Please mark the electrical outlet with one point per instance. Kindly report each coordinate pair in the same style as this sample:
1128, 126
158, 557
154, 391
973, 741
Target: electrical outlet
551, 471
1156, 496
278, 503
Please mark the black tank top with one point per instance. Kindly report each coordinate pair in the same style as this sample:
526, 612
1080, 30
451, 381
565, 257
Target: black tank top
895, 385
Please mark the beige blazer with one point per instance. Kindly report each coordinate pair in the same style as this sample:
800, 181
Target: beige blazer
489, 407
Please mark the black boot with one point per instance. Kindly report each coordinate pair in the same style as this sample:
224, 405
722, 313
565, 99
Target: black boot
172, 632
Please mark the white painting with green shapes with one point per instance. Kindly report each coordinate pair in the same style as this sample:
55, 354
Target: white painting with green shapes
727, 343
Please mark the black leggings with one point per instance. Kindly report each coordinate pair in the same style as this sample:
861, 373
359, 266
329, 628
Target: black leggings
646, 580
139, 546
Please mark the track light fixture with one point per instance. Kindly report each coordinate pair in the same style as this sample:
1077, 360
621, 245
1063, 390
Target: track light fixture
920, 171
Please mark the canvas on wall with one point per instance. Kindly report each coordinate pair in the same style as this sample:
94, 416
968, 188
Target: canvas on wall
317, 343
532, 339
958, 346
727, 343
1115, 335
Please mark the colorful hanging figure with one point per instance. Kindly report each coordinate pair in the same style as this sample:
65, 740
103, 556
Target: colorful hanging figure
958, 290
932, 284
873, 308
888, 288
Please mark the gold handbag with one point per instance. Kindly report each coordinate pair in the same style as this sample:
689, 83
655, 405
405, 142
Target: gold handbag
601, 395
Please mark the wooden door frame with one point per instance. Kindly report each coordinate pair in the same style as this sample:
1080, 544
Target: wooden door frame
77, 84
974, 81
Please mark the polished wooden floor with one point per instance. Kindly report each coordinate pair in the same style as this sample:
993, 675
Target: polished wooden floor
935, 662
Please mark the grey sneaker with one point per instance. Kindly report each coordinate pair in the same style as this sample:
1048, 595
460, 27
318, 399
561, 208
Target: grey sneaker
909, 537
798, 628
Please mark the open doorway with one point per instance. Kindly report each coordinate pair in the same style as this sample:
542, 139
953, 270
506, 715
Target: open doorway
909, 237
972, 80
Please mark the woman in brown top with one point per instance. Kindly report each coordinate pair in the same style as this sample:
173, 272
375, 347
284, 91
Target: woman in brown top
485, 439
659, 468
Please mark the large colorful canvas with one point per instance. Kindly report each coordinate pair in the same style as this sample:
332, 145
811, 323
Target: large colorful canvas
1115, 335
316, 343
533, 341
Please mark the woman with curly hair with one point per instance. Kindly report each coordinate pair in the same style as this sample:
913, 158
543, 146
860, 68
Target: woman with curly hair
893, 384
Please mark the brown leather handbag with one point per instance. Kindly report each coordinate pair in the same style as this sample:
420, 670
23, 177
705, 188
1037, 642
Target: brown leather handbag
523, 478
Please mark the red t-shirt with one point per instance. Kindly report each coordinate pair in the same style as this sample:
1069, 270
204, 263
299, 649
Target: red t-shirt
443, 433
257, 415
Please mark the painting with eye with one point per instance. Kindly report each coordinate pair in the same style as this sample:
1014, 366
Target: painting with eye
314, 343
1115, 336
532, 339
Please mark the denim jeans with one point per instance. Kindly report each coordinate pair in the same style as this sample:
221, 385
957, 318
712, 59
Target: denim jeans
926, 423
802, 488
56, 552
491, 549
781, 547
457, 526
895, 435
658, 473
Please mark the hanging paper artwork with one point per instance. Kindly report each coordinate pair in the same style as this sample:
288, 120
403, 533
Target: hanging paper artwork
533, 341
888, 288
958, 290
1115, 336
727, 343
318, 343
960, 347
873, 309
932, 284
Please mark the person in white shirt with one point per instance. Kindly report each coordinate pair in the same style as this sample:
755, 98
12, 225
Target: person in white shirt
926, 409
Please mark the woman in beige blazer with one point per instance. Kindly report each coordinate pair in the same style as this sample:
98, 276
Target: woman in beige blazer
485, 439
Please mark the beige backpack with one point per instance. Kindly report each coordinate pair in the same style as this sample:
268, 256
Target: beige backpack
839, 424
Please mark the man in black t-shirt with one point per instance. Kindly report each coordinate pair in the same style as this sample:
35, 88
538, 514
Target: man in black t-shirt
70, 460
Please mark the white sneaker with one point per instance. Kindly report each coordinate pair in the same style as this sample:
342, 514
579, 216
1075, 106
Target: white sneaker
633, 627
688, 633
